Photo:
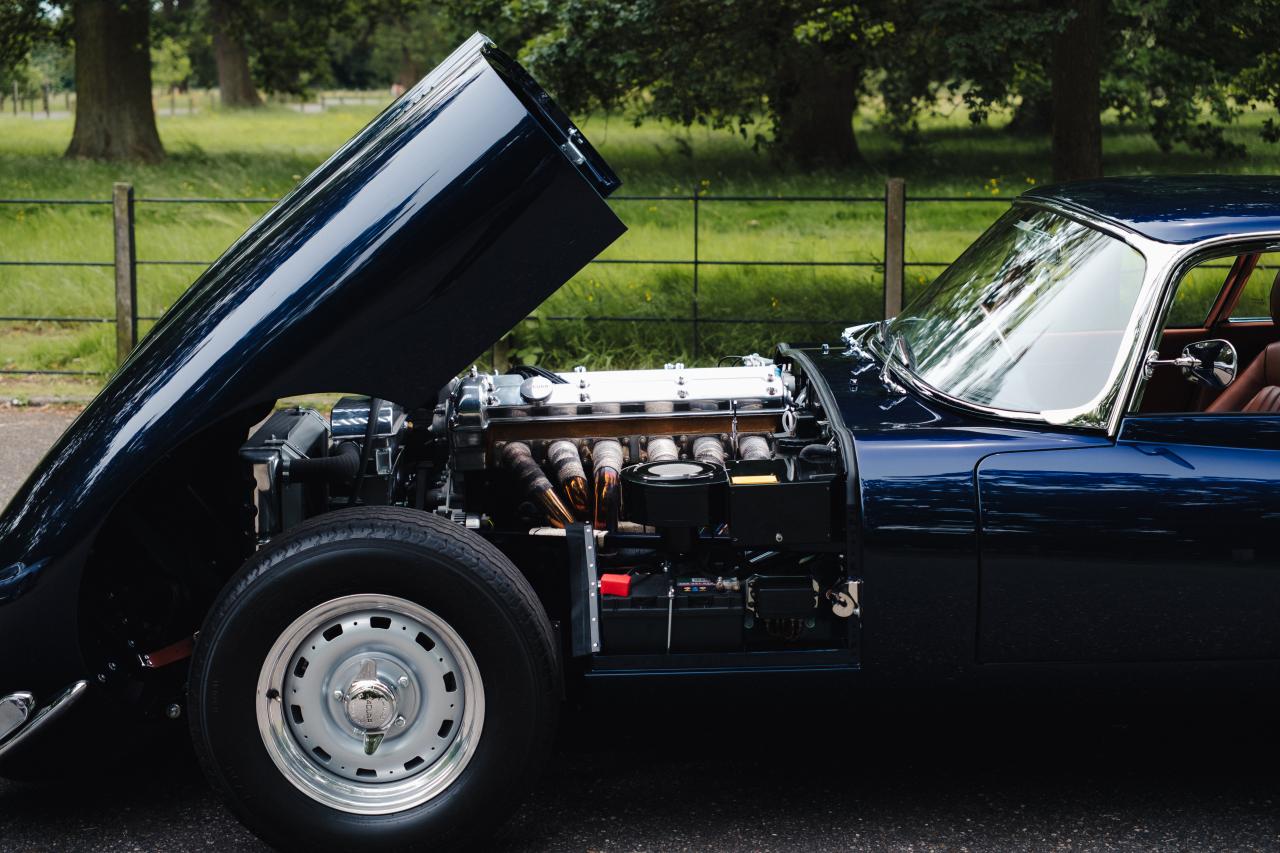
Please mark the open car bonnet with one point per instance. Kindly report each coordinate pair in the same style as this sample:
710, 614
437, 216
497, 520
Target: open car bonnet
404, 256
385, 272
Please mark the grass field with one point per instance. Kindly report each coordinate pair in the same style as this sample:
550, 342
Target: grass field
263, 154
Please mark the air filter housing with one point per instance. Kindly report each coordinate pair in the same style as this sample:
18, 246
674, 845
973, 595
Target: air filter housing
678, 496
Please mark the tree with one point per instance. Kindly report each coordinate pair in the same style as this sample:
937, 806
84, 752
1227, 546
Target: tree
409, 37
795, 66
1076, 84
229, 20
115, 119
170, 64
1182, 69
288, 41
22, 24
1041, 56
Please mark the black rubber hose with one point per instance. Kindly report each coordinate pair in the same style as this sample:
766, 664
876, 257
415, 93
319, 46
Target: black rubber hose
341, 467
366, 450
817, 452
527, 370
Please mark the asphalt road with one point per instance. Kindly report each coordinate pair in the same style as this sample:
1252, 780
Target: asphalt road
775, 769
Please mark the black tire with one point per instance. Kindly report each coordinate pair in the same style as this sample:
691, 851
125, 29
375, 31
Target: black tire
388, 551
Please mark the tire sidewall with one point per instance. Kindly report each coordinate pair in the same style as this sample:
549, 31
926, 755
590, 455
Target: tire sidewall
280, 585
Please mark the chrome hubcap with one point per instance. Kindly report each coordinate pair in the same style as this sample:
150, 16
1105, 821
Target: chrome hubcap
370, 704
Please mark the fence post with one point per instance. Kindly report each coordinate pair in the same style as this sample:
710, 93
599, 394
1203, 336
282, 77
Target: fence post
696, 331
126, 271
895, 237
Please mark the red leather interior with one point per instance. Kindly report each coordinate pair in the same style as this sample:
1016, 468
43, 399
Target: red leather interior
1262, 373
1257, 389
1266, 400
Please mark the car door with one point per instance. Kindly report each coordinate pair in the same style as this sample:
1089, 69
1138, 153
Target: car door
1163, 546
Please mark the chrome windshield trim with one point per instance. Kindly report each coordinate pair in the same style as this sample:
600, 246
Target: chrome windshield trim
926, 390
1103, 412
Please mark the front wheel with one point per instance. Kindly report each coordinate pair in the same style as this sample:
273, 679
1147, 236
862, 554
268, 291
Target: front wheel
377, 675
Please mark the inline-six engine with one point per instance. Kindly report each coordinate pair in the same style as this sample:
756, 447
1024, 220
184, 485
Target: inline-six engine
701, 508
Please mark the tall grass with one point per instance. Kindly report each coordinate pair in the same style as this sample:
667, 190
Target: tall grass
264, 153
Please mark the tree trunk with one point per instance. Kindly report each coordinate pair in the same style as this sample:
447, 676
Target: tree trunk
814, 112
409, 72
1077, 100
226, 20
115, 119
1033, 116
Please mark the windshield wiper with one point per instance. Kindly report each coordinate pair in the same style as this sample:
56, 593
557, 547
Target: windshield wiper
894, 346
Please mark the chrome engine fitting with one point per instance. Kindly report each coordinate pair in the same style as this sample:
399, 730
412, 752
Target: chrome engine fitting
484, 409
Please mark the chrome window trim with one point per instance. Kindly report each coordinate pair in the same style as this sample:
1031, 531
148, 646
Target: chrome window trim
1181, 259
1103, 412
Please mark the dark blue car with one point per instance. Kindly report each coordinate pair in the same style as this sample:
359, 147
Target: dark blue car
1060, 465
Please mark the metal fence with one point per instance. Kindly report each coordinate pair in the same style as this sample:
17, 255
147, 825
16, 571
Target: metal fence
892, 263
45, 102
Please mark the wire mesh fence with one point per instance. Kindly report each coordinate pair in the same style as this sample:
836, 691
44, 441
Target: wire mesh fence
693, 262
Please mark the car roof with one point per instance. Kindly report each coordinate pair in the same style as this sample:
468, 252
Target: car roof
1178, 208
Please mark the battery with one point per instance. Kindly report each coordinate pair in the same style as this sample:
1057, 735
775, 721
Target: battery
705, 614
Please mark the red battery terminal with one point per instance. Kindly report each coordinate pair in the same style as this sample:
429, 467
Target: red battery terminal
615, 584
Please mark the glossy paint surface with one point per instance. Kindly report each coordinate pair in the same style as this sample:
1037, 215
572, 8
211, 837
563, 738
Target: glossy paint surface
1161, 547
1179, 208
918, 553
385, 272
1014, 554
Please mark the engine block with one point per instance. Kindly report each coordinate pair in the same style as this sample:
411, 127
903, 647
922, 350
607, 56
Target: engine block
487, 409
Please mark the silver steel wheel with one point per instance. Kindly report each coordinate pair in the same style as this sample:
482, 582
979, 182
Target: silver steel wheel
370, 704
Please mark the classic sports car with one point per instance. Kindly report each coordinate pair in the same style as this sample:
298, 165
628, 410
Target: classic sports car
369, 618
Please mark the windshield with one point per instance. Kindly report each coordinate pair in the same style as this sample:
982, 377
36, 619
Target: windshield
1030, 318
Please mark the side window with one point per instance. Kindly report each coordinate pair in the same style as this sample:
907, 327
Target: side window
1255, 299
1196, 293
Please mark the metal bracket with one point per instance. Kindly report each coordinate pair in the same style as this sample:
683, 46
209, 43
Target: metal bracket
1153, 359
846, 599
172, 653
584, 604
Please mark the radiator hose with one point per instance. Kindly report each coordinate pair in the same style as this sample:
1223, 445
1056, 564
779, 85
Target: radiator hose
366, 448
341, 467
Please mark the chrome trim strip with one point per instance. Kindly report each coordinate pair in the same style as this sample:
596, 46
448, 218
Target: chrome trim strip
14, 710
46, 715
771, 406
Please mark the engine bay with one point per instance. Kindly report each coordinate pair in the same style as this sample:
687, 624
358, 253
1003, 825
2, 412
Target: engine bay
676, 511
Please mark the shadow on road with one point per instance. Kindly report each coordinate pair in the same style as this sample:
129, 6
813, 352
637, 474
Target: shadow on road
797, 770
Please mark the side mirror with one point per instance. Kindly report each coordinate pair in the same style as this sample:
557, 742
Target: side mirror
1211, 363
